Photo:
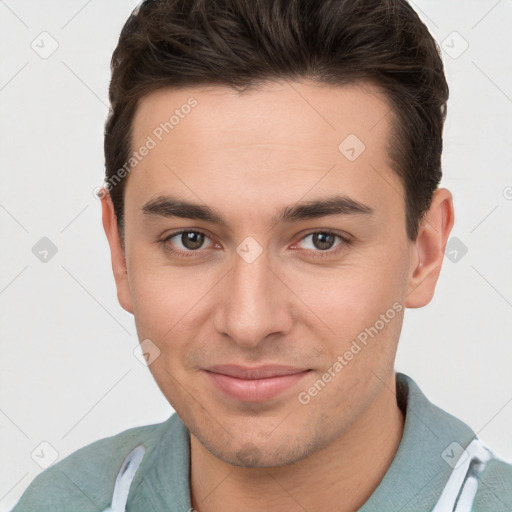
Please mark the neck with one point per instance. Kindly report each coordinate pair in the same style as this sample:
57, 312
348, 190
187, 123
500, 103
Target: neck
343, 475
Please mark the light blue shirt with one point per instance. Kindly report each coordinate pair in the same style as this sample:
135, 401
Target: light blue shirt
439, 461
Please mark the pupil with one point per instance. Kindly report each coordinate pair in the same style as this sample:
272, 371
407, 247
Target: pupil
323, 240
192, 240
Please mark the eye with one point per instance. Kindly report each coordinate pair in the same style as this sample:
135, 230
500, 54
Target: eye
190, 242
321, 242
185, 241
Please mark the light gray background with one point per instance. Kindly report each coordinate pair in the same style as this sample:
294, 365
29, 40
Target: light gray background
68, 372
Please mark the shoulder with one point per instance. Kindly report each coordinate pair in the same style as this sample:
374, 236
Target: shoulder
85, 479
494, 487
456, 464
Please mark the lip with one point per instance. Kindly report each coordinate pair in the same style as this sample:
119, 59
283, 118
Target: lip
254, 384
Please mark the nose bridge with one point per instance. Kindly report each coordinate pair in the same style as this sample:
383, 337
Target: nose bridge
250, 309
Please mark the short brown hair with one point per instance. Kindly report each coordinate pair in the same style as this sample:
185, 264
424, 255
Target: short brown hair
245, 43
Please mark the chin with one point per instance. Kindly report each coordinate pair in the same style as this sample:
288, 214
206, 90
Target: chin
265, 453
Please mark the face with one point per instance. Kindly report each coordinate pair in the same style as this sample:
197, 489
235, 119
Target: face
293, 264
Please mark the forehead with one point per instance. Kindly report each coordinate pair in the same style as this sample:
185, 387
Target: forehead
279, 140
276, 113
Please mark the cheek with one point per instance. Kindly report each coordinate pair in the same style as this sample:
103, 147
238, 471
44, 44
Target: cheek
166, 309
355, 293
154, 299
168, 301
359, 301
157, 298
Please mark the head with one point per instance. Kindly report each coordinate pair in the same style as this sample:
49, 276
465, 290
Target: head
298, 146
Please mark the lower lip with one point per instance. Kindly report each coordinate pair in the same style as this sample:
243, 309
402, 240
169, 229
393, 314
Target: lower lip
257, 390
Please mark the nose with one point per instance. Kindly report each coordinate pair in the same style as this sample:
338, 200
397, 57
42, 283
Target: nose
254, 303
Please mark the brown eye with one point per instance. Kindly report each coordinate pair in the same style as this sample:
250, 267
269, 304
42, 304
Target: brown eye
320, 241
323, 241
184, 242
192, 240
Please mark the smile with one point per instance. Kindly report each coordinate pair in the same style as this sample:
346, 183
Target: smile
254, 384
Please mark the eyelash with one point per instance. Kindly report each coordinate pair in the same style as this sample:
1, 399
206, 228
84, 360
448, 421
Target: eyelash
346, 241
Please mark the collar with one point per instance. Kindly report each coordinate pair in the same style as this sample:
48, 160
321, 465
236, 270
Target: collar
162, 482
414, 481
431, 443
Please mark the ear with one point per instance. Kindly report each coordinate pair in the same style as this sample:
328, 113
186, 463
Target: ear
116, 250
427, 252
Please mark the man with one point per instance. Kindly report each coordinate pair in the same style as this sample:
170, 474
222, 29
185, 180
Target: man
272, 208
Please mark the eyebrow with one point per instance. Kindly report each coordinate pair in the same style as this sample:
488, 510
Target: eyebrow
170, 206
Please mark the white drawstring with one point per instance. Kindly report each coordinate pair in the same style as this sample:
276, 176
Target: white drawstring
459, 492
124, 479
468, 493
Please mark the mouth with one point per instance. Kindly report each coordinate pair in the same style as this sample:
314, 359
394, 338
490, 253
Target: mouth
254, 384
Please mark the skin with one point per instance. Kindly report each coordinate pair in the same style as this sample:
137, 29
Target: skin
247, 156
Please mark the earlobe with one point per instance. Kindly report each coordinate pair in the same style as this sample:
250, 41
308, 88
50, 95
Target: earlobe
116, 250
428, 251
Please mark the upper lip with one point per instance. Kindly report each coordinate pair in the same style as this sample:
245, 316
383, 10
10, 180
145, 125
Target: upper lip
255, 372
